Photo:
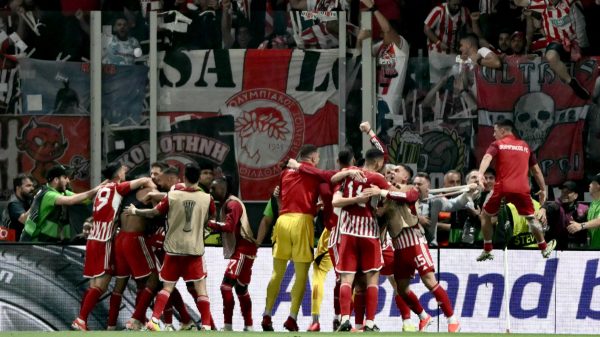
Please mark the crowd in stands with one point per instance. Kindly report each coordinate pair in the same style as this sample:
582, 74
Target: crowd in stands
59, 29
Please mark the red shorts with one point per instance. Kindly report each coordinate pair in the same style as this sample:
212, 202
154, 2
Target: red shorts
155, 245
188, 267
388, 262
132, 256
358, 254
98, 258
522, 202
240, 268
409, 259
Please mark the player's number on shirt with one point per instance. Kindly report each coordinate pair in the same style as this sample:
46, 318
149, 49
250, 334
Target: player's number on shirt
420, 260
102, 198
358, 191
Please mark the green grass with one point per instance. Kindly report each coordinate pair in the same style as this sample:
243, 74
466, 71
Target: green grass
253, 334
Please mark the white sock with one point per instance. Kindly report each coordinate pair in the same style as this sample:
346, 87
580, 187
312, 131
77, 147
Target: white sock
369, 323
452, 320
359, 326
267, 313
423, 315
292, 315
345, 318
406, 321
206, 327
338, 317
228, 327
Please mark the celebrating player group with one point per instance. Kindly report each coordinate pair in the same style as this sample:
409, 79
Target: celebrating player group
153, 229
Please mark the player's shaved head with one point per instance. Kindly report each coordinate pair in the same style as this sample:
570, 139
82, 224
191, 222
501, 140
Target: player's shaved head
306, 150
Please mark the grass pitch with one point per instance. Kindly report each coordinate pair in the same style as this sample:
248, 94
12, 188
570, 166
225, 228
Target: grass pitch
254, 334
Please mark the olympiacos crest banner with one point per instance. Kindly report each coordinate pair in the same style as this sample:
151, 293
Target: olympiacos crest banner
279, 99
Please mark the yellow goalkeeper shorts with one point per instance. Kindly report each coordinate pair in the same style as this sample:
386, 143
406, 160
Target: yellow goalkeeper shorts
293, 237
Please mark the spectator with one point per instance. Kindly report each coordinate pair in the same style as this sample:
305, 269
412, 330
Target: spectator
76, 41
205, 30
48, 218
504, 39
466, 226
17, 208
430, 207
121, 49
558, 214
563, 40
517, 44
444, 24
593, 216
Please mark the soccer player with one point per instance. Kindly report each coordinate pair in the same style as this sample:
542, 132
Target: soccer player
166, 177
411, 253
133, 258
188, 210
293, 235
239, 246
514, 162
97, 266
325, 255
359, 246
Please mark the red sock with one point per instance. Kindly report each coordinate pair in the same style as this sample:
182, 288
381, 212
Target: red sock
345, 298
336, 298
89, 303
177, 302
246, 307
160, 303
113, 309
443, 301
413, 302
83, 298
142, 303
542, 245
228, 303
371, 301
488, 246
203, 305
359, 308
402, 306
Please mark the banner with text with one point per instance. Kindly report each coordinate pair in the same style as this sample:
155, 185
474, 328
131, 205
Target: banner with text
557, 295
180, 141
279, 99
546, 112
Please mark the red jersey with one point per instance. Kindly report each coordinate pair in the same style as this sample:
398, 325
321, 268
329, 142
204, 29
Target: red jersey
299, 192
230, 215
106, 206
446, 27
557, 21
357, 219
325, 191
513, 160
